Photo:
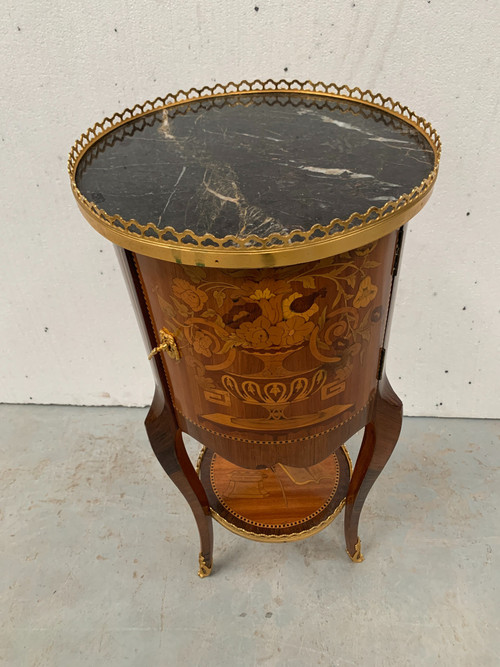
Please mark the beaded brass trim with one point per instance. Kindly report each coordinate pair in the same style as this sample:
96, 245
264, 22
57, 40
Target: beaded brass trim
252, 251
292, 537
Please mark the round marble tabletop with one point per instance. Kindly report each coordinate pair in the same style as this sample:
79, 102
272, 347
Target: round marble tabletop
260, 178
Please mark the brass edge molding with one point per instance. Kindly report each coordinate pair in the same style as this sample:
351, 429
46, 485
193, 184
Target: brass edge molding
292, 537
275, 249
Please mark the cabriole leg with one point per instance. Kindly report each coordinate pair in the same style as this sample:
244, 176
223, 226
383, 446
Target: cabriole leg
169, 449
380, 437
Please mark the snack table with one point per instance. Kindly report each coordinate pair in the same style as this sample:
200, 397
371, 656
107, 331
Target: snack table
260, 227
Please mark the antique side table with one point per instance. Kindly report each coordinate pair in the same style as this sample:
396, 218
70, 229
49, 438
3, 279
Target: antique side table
260, 228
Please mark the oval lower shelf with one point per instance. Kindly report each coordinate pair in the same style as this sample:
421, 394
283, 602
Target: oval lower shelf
278, 504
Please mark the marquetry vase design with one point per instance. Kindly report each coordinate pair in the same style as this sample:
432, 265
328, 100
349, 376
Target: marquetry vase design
267, 353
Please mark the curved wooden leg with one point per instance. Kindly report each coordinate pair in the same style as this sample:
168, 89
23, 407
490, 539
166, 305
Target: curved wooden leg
380, 437
168, 446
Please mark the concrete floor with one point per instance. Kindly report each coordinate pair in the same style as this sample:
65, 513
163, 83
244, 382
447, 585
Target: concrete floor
99, 557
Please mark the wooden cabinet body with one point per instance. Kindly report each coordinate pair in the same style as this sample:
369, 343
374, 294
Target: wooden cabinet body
273, 361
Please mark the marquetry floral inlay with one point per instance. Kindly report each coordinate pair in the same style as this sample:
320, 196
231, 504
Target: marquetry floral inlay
366, 293
328, 306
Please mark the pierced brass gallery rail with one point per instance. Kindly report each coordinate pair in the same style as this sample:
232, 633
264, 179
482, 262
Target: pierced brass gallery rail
251, 250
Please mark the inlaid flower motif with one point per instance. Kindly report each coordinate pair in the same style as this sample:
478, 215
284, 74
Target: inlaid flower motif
366, 249
288, 312
193, 296
366, 293
264, 289
202, 343
296, 330
260, 334
267, 294
262, 294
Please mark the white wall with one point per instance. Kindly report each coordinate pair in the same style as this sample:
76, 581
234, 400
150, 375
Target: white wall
67, 330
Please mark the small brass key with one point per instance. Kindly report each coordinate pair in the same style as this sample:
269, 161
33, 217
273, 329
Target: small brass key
167, 344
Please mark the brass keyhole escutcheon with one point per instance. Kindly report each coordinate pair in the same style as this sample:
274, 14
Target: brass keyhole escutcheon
167, 344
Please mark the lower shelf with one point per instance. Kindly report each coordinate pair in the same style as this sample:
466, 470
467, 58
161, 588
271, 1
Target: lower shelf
278, 504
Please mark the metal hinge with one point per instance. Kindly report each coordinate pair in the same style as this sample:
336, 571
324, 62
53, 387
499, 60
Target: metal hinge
397, 252
167, 344
381, 359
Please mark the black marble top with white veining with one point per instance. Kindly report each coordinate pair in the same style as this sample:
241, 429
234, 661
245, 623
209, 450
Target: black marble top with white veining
259, 164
